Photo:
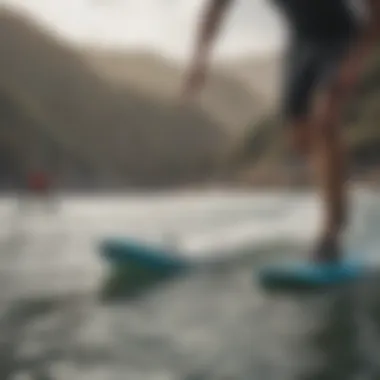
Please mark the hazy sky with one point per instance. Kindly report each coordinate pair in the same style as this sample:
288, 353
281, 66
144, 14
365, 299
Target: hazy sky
164, 25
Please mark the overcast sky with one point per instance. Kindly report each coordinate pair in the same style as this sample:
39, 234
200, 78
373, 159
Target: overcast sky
163, 25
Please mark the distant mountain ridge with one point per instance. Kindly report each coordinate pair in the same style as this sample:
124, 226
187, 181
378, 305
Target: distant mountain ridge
122, 136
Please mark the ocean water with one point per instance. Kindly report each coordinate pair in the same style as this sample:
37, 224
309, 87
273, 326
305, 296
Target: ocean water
58, 321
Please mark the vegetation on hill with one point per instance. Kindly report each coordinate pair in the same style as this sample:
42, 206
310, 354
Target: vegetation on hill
265, 140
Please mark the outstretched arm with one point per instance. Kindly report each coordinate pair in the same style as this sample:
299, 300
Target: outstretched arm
374, 14
371, 33
366, 44
209, 27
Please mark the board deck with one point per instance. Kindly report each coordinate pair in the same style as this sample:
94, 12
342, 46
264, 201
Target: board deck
124, 251
308, 274
119, 252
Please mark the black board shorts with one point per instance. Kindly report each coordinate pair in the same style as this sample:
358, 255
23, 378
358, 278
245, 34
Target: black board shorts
310, 65
321, 33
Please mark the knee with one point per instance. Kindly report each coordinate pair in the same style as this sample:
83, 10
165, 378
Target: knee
339, 88
299, 137
327, 114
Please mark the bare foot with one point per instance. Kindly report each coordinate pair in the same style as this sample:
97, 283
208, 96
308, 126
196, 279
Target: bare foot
326, 251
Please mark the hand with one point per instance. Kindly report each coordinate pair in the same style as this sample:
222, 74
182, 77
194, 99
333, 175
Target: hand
354, 65
350, 72
194, 81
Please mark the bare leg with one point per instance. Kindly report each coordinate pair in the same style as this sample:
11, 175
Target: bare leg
301, 136
317, 134
329, 163
319, 139
329, 159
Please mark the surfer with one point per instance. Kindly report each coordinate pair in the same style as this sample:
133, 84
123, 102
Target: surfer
328, 45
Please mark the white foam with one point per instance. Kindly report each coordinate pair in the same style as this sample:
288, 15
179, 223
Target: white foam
200, 226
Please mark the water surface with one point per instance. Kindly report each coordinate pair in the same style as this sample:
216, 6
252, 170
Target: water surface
216, 324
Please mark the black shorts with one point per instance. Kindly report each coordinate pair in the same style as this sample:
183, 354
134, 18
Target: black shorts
310, 66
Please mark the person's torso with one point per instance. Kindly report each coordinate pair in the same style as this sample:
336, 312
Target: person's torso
320, 19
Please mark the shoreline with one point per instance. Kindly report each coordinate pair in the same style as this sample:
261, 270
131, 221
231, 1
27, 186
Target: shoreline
251, 179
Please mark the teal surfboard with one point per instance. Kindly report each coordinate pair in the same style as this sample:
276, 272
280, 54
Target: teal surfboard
309, 274
128, 252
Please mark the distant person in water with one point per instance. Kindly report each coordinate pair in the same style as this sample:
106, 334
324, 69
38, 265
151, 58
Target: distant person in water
328, 45
38, 183
38, 188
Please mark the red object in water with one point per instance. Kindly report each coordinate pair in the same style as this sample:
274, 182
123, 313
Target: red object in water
38, 181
